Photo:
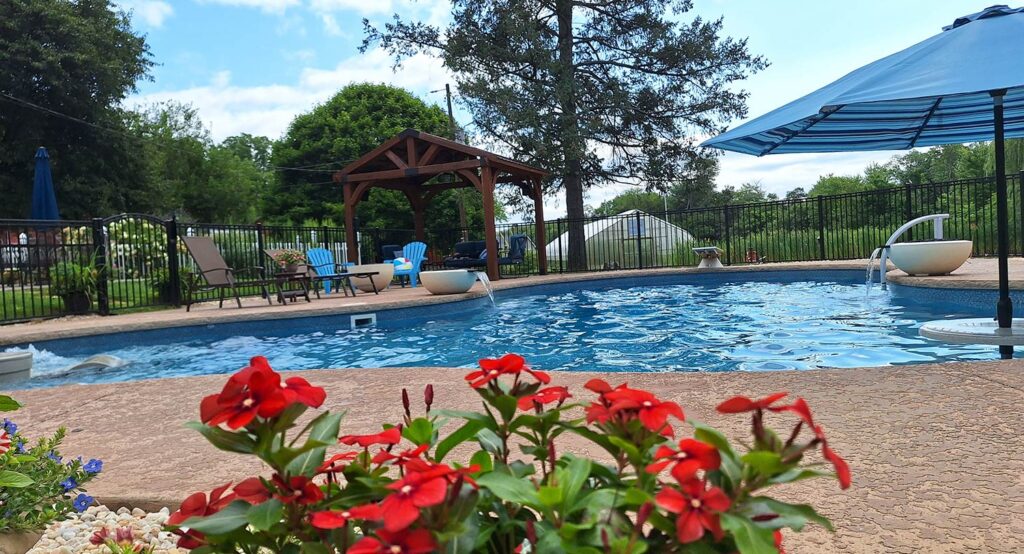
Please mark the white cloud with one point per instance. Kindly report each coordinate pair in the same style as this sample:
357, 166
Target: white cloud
331, 26
433, 12
271, 6
267, 110
784, 172
150, 12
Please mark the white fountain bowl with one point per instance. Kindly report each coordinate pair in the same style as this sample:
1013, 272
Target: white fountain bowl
930, 258
385, 272
448, 281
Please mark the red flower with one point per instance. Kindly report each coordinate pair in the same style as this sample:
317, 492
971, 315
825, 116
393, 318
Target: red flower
298, 489
692, 456
509, 364
402, 457
803, 411
99, 538
297, 389
697, 507
388, 436
5, 441
651, 412
254, 391
415, 491
430, 470
544, 396
197, 505
739, 404
600, 386
415, 541
336, 464
252, 490
777, 536
333, 519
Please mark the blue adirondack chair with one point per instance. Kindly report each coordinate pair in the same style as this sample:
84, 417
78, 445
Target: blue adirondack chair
415, 252
322, 262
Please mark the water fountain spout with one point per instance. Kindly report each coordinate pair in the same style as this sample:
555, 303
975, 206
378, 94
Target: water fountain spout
486, 282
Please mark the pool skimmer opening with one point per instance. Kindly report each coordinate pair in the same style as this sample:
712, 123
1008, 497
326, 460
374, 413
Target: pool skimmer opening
363, 320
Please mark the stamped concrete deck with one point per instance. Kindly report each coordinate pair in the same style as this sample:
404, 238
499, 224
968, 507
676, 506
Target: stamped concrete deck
935, 449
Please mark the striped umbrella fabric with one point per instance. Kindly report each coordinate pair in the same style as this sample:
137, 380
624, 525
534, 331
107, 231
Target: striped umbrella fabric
935, 92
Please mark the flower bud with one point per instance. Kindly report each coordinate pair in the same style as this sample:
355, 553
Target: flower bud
643, 514
428, 396
531, 532
405, 403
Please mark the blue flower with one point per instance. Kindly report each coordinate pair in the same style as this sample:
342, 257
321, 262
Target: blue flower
21, 447
68, 484
53, 456
82, 502
93, 466
10, 426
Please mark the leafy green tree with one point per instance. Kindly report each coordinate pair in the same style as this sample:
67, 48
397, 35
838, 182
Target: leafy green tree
254, 148
837, 184
80, 58
650, 202
353, 122
595, 91
796, 194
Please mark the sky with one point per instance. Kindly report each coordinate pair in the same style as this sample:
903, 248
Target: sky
252, 65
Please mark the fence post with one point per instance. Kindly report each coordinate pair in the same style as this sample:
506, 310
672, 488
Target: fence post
728, 237
100, 260
173, 271
259, 249
821, 227
639, 244
561, 255
908, 208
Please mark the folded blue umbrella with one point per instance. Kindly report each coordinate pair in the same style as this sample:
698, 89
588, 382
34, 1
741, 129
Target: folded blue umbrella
44, 201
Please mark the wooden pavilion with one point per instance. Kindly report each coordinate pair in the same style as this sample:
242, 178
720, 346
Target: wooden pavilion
410, 162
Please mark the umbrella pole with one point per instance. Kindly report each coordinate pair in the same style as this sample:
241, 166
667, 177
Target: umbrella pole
1004, 307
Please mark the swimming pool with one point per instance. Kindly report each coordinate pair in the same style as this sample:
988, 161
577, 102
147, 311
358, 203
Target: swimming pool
748, 321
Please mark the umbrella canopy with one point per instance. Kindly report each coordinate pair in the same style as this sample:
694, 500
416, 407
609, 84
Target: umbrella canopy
935, 92
964, 84
44, 201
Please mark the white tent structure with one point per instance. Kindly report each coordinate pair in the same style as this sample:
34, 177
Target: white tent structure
630, 239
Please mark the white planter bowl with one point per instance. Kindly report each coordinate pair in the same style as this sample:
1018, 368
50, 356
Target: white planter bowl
15, 366
449, 281
930, 258
386, 272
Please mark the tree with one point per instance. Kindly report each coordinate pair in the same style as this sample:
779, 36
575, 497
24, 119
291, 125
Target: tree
595, 91
80, 59
353, 122
644, 201
796, 194
837, 184
254, 148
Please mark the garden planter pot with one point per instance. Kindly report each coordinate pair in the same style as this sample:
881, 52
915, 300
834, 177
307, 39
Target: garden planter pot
291, 268
18, 543
15, 366
76, 302
386, 272
930, 257
451, 281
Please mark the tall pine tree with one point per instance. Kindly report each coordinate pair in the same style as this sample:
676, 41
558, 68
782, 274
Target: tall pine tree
595, 91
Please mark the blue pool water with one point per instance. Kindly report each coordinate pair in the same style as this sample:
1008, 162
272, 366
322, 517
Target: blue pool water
749, 322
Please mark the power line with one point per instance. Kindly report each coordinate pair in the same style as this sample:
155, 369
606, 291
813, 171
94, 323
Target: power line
48, 111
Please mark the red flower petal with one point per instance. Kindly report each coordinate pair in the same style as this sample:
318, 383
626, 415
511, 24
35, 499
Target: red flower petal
842, 468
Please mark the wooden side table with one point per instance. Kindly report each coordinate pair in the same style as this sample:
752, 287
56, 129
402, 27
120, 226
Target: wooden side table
292, 286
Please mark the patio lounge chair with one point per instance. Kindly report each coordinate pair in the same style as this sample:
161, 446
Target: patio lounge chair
472, 253
321, 264
217, 275
415, 252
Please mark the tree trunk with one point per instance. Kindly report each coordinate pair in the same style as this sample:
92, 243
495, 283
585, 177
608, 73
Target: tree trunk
572, 143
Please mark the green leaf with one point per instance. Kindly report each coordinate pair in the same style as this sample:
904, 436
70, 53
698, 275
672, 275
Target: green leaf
550, 496
419, 431
325, 429
8, 404
14, 480
315, 548
764, 462
490, 441
233, 516
264, 516
459, 436
750, 538
796, 474
240, 442
573, 476
469, 416
509, 488
506, 406
307, 462
793, 516
482, 459
629, 448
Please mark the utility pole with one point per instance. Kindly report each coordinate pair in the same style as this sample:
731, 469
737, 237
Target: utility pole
453, 134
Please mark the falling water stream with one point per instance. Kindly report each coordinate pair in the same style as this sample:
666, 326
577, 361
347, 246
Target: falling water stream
482, 277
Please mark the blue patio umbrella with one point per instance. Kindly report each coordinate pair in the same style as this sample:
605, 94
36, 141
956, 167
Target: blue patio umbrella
44, 201
964, 84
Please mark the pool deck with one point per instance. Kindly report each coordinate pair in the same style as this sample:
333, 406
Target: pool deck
935, 449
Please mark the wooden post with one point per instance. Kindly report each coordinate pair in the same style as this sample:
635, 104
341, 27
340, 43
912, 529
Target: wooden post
490, 234
350, 224
419, 213
541, 238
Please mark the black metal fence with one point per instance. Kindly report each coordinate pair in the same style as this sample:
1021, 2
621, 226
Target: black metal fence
135, 262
